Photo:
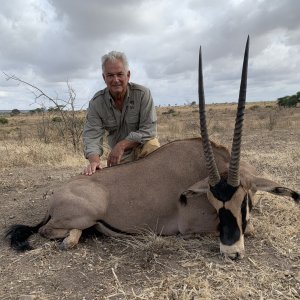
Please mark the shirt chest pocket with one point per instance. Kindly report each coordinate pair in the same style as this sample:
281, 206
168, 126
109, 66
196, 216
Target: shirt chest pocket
111, 125
133, 121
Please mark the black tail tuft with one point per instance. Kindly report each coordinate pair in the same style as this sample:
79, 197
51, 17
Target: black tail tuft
18, 235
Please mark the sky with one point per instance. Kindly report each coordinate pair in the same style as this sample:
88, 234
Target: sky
53, 43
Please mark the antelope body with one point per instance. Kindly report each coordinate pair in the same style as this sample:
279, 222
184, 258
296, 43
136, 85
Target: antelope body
188, 186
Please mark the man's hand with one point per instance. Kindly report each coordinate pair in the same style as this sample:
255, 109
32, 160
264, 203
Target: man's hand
94, 165
116, 153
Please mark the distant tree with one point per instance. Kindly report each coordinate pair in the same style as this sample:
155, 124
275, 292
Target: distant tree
72, 123
40, 110
190, 103
37, 110
289, 101
15, 112
55, 109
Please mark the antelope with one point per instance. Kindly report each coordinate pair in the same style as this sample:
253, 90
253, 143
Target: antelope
186, 186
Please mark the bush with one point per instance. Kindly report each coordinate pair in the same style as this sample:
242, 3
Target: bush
171, 111
289, 101
36, 111
3, 120
15, 112
57, 119
254, 107
56, 109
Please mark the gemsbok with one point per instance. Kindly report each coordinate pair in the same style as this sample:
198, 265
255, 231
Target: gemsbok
186, 186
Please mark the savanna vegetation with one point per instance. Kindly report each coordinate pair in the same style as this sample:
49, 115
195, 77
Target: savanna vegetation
289, 101
38, 155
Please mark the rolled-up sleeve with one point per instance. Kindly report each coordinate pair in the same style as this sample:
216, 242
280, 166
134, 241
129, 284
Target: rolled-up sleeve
93, 132
147, 122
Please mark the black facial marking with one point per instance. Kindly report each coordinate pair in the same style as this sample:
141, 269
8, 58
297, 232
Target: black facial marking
244, 212
183, 200
229, 229
250, 203
223, 191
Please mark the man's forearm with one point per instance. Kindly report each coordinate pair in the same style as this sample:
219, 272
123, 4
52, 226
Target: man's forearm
127, 144
116, 153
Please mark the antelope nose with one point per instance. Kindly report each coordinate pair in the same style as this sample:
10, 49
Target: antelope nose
236, 256
233, 256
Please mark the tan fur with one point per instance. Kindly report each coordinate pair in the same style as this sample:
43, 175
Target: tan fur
235, 251
140, 195
249, 185
144, 195
71, 240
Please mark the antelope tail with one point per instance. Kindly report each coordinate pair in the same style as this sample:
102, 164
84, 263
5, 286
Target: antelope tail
18, 235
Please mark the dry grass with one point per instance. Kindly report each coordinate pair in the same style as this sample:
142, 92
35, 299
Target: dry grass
35, 153
150, 266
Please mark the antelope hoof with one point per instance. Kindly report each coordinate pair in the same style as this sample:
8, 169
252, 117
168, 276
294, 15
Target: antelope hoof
71, 240
63, 246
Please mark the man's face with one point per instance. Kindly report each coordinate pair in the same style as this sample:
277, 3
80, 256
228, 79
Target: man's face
116, 77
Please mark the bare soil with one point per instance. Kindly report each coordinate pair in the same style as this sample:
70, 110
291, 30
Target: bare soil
154, 267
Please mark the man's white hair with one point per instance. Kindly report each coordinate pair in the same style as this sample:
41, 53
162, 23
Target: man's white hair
113, 56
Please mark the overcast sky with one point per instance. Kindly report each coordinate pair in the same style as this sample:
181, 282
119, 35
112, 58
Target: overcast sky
50, 42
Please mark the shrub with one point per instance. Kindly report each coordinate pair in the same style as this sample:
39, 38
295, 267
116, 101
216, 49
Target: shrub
3, 120
57, 119
171, 111
36, 111
15, 112
254, 107
289, 101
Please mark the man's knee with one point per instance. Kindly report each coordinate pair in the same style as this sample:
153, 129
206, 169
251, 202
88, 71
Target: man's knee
147, 148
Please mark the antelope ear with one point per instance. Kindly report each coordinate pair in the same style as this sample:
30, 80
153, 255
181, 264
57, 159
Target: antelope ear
262, 184
200, 187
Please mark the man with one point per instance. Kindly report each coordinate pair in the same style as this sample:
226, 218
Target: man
126, 111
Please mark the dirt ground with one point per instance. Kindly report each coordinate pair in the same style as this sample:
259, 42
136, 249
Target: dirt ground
151, 267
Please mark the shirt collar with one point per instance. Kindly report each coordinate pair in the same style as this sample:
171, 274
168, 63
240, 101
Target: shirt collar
109, 99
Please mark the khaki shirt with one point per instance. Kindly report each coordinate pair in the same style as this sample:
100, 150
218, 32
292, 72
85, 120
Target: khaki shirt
137, 122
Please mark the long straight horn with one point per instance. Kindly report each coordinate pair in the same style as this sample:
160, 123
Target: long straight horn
211, 166
233, 173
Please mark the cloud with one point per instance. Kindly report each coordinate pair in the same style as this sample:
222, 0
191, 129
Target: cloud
48, 42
